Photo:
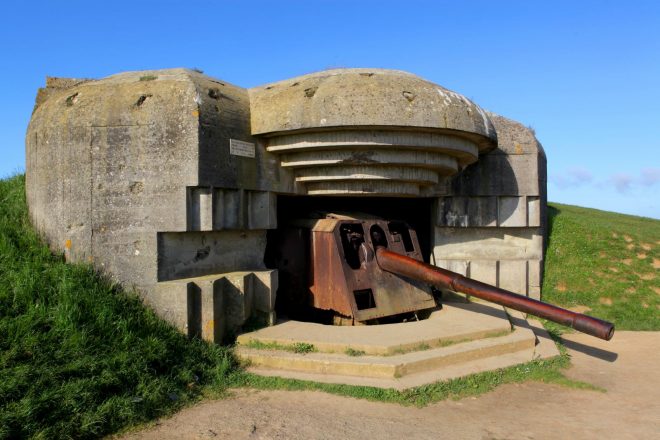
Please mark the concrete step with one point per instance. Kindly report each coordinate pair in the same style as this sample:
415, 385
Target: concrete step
394, 358
390, 367
455, 322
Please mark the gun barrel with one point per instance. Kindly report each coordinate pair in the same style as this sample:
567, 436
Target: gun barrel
446, 279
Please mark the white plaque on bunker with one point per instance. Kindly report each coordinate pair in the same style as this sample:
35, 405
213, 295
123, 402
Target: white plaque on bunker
240, 148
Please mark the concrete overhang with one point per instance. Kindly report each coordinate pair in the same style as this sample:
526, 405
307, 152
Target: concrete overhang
374, 98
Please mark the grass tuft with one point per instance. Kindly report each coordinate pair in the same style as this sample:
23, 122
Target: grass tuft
296, 347
353, 352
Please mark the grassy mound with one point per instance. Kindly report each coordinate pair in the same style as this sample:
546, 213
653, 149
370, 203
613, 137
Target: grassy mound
78, 358
604, 264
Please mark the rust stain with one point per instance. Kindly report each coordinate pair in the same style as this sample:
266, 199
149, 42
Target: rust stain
67, 244
195, 113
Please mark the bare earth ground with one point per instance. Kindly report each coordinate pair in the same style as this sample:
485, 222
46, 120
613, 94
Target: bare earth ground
628, 367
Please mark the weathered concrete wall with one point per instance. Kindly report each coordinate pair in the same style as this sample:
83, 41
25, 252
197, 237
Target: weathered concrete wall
491, 224
167, 180
107, 165
215, 306
118, 171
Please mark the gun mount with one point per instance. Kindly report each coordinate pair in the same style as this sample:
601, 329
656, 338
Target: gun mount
362, 270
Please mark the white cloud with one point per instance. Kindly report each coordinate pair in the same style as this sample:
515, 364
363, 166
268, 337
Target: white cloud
622, 182
571, 178
650, 176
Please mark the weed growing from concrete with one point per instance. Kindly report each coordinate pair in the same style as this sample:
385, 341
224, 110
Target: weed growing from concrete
303, 348
352, 352
297, 347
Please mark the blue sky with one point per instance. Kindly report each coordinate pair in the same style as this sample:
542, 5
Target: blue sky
584, 74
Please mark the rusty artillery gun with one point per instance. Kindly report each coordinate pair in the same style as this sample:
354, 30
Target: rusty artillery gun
368, 270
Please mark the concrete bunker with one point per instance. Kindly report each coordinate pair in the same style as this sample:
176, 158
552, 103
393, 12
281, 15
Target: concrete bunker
177, 184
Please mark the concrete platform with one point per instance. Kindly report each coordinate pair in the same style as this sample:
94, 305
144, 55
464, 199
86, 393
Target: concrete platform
459, 340
456, 322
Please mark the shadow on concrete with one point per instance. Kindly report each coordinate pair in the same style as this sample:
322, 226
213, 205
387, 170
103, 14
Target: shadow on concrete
477, 308
477, 181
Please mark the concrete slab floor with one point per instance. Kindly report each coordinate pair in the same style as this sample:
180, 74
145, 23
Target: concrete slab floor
455, 322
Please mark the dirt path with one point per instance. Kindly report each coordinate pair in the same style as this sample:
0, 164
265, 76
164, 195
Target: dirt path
628, 367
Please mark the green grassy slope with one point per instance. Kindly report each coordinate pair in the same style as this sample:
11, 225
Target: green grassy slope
606, 262
78, 358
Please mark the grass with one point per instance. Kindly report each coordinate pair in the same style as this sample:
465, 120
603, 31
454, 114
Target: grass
81, 358
604, 263
353, 352
148, 78
78, 357
296, 347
